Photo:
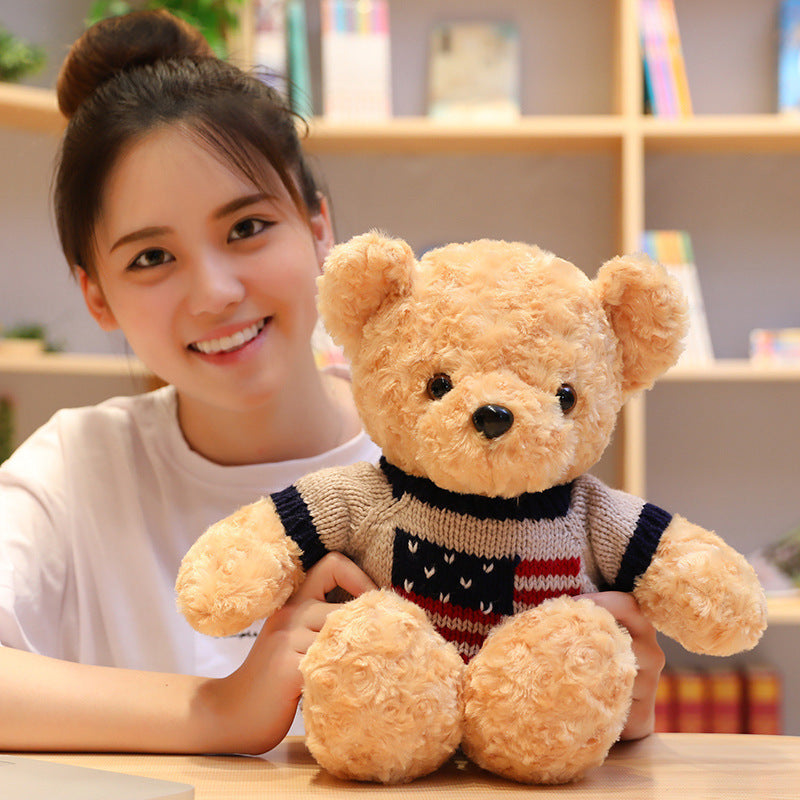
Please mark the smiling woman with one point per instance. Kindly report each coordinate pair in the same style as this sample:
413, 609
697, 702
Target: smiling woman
187, 213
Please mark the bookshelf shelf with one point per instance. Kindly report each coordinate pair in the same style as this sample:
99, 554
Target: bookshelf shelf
733, 370
34, 109
74, 364
712, 133
783, 610
30, 109
422, 135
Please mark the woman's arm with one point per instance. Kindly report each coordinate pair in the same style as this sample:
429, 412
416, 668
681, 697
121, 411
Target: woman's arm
48, 704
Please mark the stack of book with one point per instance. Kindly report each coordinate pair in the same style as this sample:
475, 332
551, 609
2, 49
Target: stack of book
720, 700
673, 249
356, 64
666, 83
775, 346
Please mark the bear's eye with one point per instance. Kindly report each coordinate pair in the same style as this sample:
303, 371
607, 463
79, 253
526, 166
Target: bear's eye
567, 397
438, 386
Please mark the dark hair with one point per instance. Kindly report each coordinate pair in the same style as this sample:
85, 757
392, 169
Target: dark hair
127, 76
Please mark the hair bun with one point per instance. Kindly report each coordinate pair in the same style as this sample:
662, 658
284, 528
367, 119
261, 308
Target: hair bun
119, 43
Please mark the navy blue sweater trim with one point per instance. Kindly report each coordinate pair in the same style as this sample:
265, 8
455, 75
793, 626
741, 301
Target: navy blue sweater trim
549, 504
296, 518
641, 548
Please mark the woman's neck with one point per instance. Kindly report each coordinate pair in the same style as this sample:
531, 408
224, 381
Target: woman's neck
293, 425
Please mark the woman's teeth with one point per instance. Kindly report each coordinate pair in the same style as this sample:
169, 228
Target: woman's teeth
233, 342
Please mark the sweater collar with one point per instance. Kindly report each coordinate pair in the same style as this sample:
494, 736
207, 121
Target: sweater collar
534, 506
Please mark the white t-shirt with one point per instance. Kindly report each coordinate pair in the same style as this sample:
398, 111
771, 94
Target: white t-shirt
97, 509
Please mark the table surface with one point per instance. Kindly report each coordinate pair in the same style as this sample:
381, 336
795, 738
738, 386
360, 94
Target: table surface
669, 765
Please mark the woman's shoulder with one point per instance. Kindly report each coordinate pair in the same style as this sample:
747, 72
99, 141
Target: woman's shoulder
72, 433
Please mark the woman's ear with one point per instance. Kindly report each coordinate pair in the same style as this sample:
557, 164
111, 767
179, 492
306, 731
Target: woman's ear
96, 301
322, 229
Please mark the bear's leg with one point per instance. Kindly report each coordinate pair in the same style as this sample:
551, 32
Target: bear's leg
382, 692
549, 692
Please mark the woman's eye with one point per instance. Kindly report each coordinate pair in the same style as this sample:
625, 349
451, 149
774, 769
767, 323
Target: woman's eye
247, 228
154, 257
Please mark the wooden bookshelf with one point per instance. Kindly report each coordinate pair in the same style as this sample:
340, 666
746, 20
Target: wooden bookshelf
617, 131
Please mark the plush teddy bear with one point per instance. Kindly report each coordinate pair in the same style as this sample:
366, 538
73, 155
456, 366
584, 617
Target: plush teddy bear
491, 375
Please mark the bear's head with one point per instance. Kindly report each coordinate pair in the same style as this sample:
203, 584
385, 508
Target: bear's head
495, 368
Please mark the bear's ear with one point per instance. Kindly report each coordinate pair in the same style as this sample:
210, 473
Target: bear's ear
359, 276
648, 312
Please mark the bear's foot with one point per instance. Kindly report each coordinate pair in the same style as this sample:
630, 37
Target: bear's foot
549, 692
381, 696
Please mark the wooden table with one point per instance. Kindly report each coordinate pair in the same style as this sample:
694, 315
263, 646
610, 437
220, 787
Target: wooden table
672, 765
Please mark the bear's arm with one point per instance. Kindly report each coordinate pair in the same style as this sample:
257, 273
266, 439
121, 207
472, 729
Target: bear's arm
623, 531
321, 511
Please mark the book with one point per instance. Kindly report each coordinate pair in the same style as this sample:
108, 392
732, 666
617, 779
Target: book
474, 72
789, 57
676, 61
763, 692
725, 700
270, 57
300, 92
673, 249
665, 703
690, 700
356, 59
778, 346
666, 81
660, 98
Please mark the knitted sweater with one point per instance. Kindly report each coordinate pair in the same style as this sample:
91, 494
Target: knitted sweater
471, 561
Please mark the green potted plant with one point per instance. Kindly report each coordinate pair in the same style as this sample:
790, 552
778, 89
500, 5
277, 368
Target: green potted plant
26, 340
18, 58
216, 19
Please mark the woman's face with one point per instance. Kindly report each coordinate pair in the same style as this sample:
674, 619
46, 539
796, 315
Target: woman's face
211, 279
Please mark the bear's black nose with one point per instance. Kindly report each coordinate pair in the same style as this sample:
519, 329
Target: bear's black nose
492, 421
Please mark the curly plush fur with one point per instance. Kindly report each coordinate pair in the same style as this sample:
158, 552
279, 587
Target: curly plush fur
499, 329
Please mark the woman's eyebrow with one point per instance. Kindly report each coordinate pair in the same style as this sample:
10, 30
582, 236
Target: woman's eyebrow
242, 202
142, 233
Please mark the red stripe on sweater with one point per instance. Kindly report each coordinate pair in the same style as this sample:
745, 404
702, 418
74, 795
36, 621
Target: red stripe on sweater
548, 566
455, 612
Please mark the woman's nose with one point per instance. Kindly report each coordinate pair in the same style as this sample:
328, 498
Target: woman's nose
213, 285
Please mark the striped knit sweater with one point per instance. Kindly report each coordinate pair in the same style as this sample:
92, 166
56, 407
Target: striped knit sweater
471, 561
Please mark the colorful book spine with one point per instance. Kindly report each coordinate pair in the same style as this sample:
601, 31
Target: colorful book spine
690, 701
789, 57
300, 91
665, 703
656, 63
725, 693
666, 81
673, 249
677, 63
356, 66
763, 700
270, 56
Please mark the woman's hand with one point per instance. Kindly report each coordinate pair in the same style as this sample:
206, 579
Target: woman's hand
259, 700
649, 660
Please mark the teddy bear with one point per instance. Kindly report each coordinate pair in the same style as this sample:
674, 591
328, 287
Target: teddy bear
491, 375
